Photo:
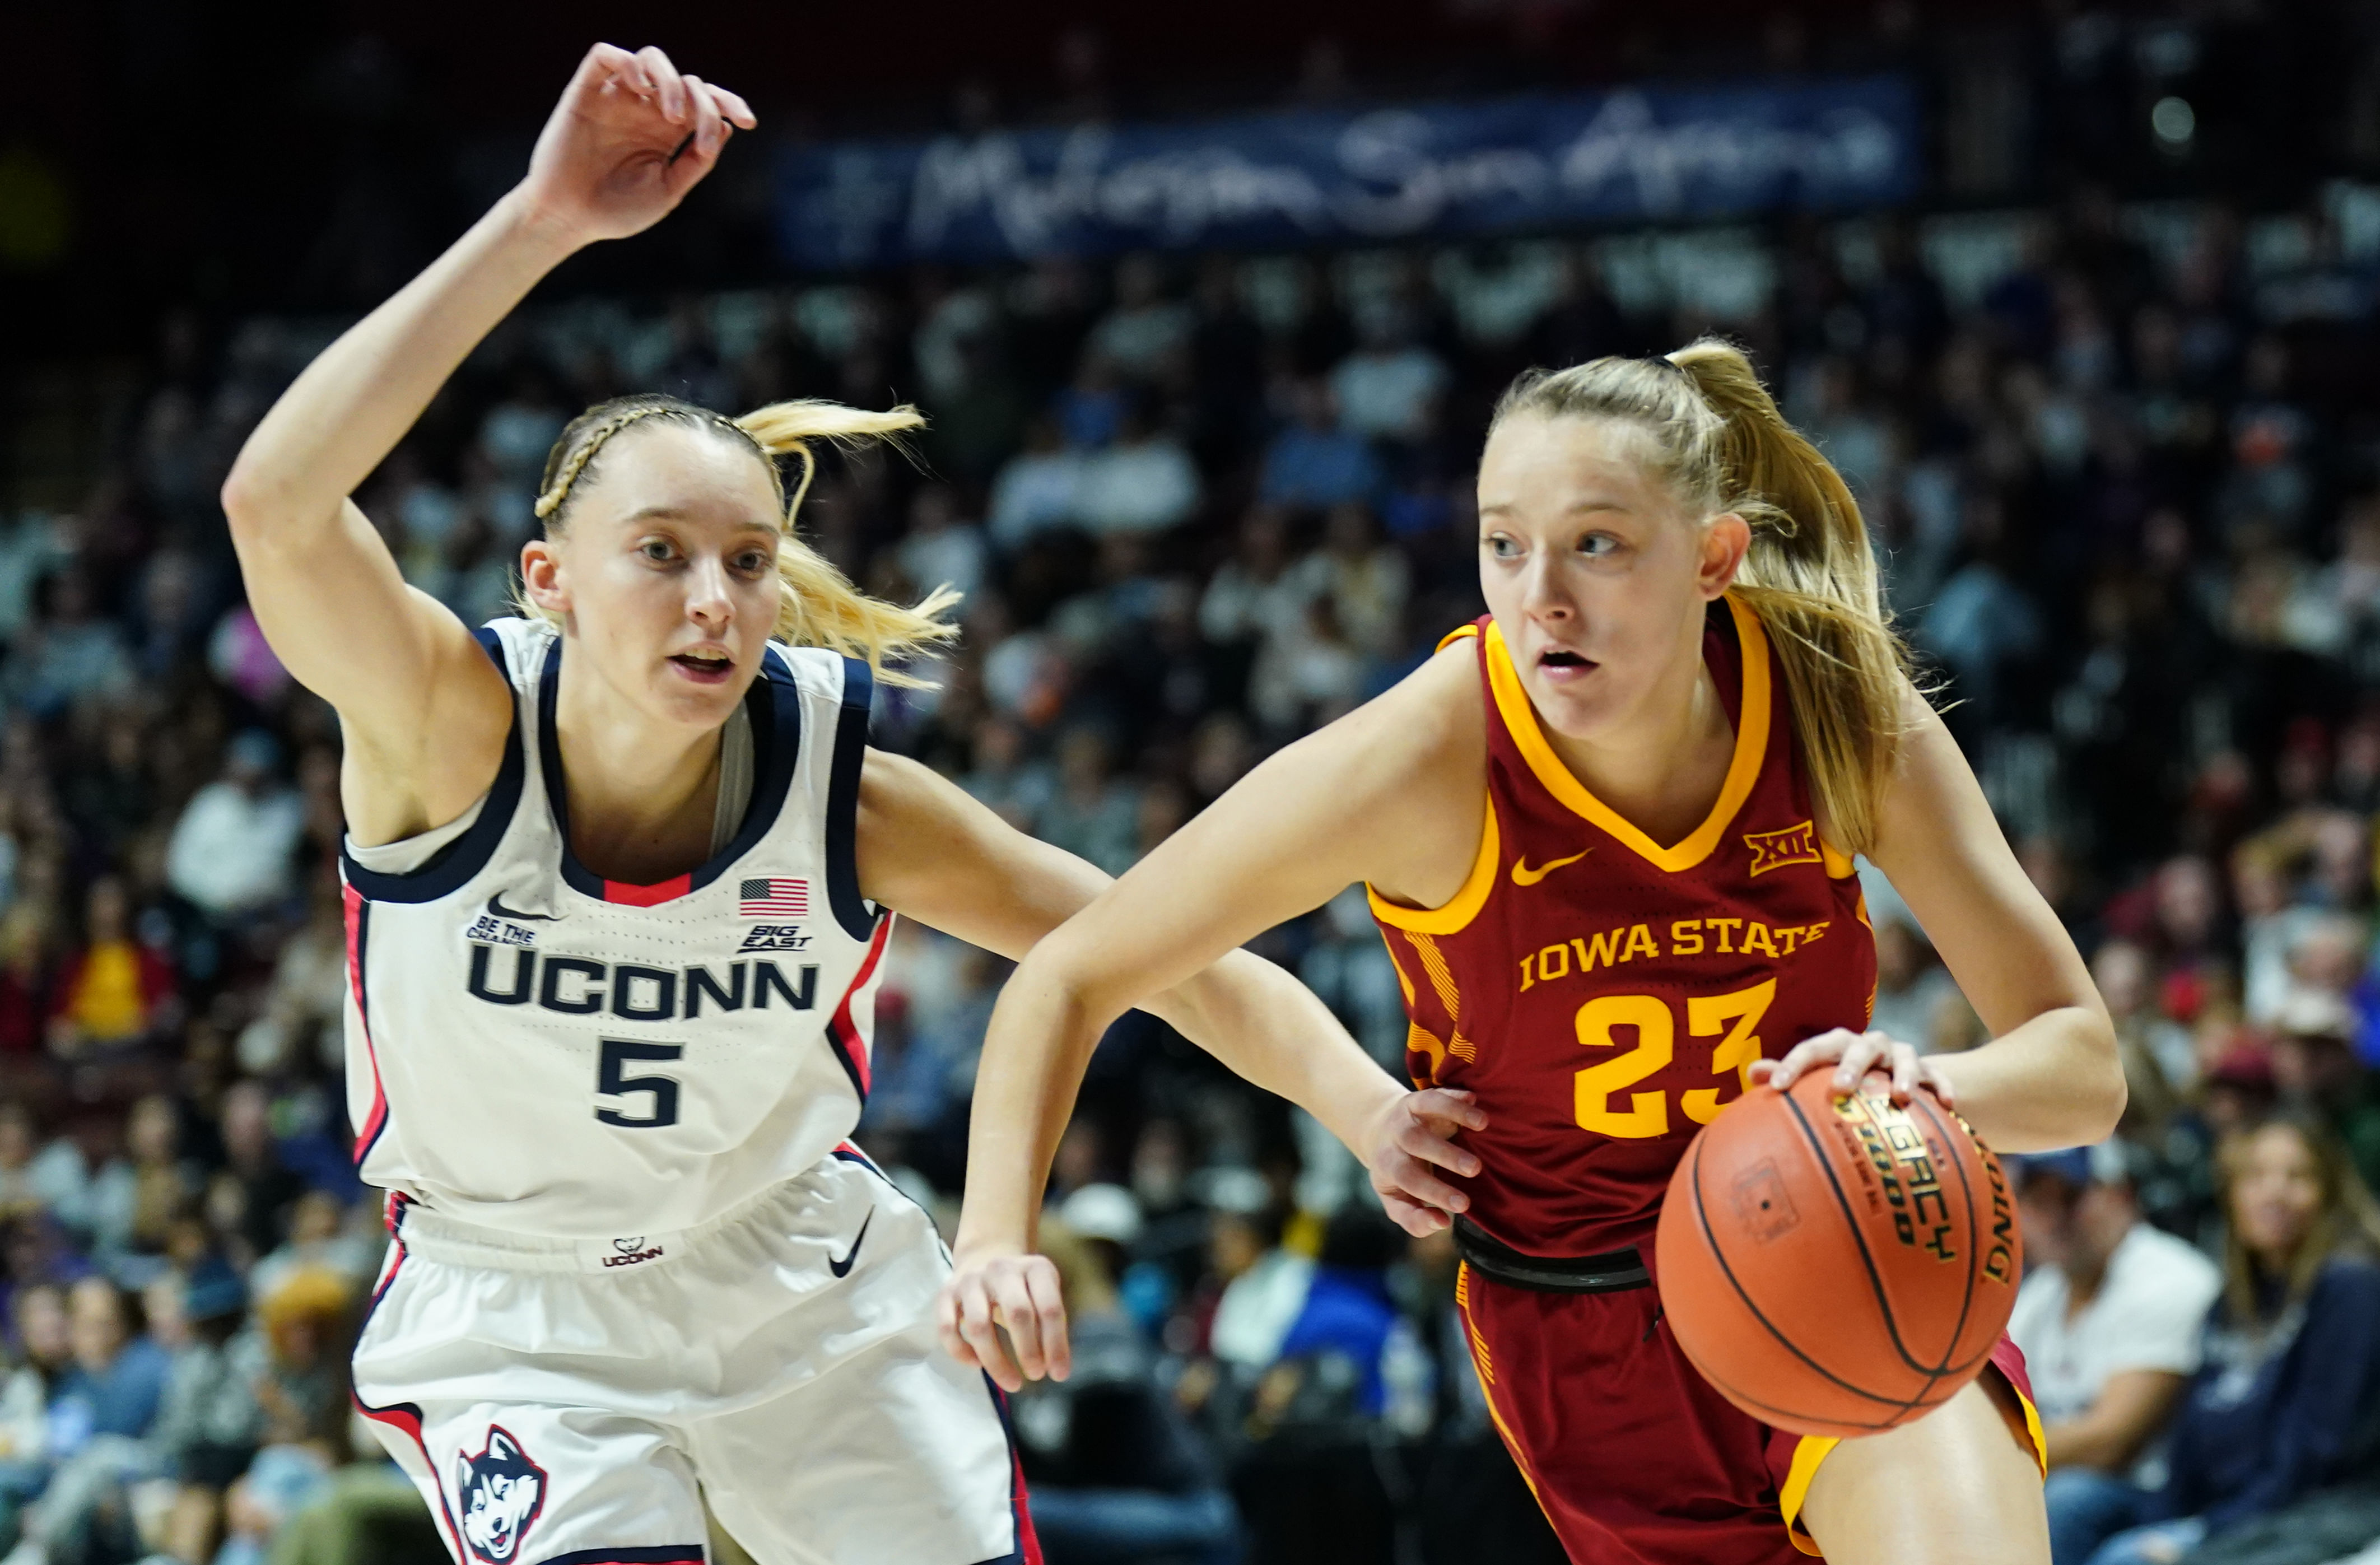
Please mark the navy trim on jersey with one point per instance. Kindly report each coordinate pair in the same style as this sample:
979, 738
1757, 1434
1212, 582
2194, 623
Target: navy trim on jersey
447, 871
1028, 1544
774, 705
851, 909
665, 1554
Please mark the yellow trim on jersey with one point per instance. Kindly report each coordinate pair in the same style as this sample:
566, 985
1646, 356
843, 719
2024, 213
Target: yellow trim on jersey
1742, 772
1485, 1370
1456, 914
1451, 637
1838, 864
1812, 1450
2032, 1427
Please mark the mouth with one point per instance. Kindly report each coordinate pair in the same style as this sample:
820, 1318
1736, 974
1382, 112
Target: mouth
705, 666
1562, 665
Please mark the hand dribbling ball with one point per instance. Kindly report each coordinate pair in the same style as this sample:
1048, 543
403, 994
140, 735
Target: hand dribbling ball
1838, 1265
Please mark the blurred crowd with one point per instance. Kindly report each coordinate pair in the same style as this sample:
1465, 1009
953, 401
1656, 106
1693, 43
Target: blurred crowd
2124, 465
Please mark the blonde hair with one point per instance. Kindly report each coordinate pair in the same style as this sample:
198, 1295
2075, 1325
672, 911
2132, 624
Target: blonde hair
1717, 439
819, 607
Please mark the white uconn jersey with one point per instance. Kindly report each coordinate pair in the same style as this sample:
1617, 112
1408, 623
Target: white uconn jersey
534, 1048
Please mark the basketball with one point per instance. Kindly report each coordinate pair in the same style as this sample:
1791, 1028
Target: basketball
1838, 1265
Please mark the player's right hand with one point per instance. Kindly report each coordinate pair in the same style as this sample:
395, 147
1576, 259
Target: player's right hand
1018, 1292
631, 135
1407, 1142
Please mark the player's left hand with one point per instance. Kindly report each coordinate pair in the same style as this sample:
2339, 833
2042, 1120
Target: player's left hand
1412, 1137
1853, 1055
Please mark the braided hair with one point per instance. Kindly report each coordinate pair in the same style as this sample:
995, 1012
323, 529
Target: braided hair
819, 607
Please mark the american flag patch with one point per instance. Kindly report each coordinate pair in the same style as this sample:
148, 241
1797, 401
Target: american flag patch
777, 897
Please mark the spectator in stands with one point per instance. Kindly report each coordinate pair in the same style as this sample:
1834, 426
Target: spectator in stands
1144, 481
1387, 388
941, 550
1036, 488
209, 1423
135, 1199
1090, 812
230, 854
319, 1240
69, 652
261, 1187
1146, 334
35, 1181
2316, 1073
25, 981
2291, 1360
1314, 462
2109, 1318
1367, 581
2160, 1067
114, 989
43, 1357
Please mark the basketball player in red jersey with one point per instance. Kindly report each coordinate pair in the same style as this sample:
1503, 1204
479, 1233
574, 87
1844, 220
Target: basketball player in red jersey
1608, 833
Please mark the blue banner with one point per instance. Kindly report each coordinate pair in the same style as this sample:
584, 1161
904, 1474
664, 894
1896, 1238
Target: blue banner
1289, 179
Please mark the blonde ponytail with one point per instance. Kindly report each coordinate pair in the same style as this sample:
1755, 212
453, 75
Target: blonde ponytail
1810, 574
819, 607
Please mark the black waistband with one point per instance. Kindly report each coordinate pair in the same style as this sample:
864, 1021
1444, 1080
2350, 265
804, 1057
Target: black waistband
1614, 1271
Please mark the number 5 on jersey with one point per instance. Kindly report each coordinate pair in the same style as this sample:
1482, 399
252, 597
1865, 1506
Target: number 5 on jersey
1731, 1018
612, 1080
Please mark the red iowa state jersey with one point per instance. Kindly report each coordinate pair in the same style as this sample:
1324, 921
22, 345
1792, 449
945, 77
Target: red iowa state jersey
1604, 996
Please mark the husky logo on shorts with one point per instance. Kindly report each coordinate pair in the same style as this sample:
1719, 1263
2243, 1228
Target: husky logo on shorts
502, 1492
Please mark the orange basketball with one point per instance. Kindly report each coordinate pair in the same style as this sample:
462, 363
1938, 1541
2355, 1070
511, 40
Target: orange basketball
1838, 1267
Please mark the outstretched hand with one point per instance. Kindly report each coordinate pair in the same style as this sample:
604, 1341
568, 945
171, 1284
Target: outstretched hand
1853, 1055
1412, 1138
631, 135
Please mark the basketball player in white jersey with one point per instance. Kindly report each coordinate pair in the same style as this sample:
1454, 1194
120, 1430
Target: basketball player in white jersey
619, 873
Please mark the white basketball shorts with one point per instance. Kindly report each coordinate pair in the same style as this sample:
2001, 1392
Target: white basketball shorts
574, 1402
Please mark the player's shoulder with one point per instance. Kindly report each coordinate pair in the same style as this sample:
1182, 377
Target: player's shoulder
1435, 716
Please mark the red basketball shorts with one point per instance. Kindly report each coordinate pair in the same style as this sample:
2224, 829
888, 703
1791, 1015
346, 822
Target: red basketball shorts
1635, 1458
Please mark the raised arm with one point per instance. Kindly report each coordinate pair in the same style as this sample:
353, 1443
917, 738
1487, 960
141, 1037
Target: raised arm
1393, 794
629, 138
2050, 1076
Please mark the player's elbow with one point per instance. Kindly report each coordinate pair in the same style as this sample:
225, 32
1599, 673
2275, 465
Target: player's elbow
1065, 974
247, 496
2099, 1090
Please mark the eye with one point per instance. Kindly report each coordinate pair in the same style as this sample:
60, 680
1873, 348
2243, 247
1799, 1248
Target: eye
1503, 546
1596, 545
755, 562
660, 550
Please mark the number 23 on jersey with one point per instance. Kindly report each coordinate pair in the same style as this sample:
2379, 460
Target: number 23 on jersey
1731, 1018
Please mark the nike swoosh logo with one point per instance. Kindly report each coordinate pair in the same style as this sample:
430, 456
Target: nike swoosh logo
497, 909
1524, 876
842, 1267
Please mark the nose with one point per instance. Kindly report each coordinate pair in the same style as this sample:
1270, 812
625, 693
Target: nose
1544, 594
709, 602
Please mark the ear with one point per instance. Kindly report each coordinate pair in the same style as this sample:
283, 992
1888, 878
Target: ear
541, 576
1727, 537
500, 1447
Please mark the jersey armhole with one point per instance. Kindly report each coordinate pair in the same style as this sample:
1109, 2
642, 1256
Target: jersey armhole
851, 909
1458, 913
446, 871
